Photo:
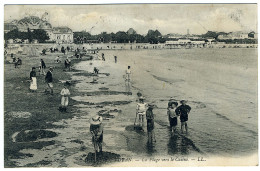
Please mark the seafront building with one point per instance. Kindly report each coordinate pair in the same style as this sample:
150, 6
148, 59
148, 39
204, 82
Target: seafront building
56, 34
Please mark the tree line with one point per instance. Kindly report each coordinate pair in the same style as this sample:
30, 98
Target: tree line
40, 35
153, 37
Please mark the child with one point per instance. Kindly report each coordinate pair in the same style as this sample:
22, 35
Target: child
172, 116
141, 110
183, 111
150, 124
96, 70
96, 129
64, 97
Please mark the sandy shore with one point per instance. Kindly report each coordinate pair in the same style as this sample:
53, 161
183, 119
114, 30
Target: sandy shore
25, 110
64, 139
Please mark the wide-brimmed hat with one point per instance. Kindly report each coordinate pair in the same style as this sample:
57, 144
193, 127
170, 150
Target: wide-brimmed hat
175, 103
96, 120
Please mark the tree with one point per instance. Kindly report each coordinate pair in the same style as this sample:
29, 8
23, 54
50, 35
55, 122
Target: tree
251, 34
29, 35
13, 34
153, 36
40, 35
121, 37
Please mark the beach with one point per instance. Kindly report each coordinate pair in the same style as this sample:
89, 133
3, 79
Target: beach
220, 85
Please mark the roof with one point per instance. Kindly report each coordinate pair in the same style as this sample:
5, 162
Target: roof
62, 30
9, 26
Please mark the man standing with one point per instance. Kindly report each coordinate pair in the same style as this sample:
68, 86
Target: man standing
183, 112
43, 66
128, 73
48, 80
103, 57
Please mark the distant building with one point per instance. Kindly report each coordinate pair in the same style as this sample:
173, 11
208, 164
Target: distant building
62, 35
234, 35
57, 34
9, 27
185, 42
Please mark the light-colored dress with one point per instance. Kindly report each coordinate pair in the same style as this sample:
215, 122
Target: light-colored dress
128, 73
33, 85
65, 96
141, 108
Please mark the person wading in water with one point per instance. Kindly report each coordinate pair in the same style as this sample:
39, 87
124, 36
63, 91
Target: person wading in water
150, 124
172, 116
183, 111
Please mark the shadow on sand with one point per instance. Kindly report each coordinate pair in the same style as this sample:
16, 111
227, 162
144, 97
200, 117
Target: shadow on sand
101, 158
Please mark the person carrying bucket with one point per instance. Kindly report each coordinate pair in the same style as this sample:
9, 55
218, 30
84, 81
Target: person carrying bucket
96, 130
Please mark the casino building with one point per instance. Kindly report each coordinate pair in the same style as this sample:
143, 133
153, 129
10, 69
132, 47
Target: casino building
57, 34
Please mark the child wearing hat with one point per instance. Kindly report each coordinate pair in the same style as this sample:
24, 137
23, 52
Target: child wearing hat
65, 93
141, 110
96, 129
172, 116
150, 123
183, 112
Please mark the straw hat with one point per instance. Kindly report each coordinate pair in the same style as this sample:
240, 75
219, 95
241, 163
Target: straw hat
141, 98
96, 120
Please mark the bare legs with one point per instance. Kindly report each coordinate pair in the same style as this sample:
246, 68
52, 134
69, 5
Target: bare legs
184, 124
141, 120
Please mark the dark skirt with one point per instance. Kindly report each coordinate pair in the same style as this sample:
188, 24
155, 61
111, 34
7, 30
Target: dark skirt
99, 140
173, 121
150, 125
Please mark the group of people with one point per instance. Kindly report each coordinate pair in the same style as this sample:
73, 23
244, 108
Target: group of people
65, 93
145, 110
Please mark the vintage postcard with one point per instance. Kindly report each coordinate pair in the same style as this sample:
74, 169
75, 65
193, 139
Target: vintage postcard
130, 85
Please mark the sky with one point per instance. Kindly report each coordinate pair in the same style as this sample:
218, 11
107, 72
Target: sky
167, 18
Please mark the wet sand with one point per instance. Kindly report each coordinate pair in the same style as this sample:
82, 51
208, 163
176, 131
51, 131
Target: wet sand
159, 78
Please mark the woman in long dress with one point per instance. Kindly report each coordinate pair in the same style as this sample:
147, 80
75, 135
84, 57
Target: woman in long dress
33, 84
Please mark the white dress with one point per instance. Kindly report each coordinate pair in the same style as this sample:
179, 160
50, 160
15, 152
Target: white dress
33, 85
64, 97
